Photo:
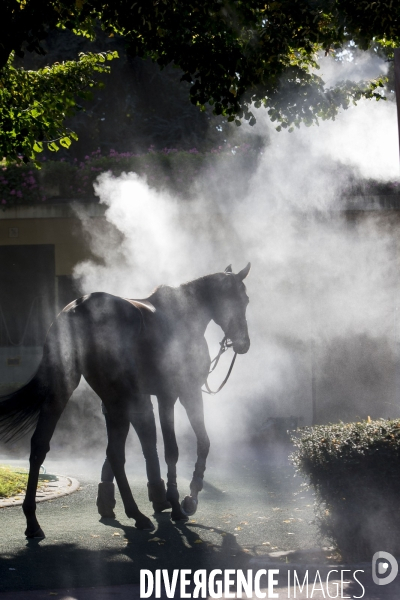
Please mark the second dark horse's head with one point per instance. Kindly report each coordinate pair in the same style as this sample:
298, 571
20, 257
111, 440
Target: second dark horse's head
229, 307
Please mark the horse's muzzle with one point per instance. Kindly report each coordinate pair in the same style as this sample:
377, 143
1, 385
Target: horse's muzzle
241, 346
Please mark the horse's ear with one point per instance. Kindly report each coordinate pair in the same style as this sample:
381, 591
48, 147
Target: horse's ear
244, 272
228, 269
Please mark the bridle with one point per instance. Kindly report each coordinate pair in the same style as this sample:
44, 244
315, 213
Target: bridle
225, 344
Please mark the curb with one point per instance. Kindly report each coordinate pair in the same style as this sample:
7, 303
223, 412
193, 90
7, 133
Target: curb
53, 489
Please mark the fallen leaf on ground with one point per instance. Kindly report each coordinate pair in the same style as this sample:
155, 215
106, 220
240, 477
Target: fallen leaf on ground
266, 543
238, 528
116, 533
198, 541
156, 539
92, 535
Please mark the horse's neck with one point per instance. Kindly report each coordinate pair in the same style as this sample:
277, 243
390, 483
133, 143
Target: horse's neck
186, 303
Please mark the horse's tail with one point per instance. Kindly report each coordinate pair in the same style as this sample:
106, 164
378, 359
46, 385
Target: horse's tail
57, 376
19, 410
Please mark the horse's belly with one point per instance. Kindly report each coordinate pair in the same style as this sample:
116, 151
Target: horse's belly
172, 370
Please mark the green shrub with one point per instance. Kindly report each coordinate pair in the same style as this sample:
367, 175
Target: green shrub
354, 469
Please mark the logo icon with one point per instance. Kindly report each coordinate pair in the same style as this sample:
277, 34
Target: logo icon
384, 564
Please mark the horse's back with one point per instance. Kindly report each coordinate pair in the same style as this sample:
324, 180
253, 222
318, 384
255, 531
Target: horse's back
101, 308
100, 330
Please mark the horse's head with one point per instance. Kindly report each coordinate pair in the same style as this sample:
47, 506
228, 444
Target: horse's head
229, 309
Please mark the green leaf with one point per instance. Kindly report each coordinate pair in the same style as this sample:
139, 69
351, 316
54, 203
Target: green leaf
38, 146
65, 142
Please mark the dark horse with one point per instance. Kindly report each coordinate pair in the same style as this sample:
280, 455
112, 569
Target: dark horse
127, 349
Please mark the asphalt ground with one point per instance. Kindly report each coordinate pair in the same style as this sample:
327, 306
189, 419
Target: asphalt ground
246, 509
251, 515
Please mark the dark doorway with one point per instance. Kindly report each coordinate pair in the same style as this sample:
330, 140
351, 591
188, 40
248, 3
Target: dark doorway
27, 294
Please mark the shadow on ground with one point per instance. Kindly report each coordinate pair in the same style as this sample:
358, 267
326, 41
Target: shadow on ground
66, 565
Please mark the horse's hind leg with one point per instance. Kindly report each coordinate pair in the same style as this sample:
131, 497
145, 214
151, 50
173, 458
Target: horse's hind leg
59, 376
142, 419
118, 428
106, 490
40, 445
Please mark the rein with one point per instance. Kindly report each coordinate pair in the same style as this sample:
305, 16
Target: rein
224, 346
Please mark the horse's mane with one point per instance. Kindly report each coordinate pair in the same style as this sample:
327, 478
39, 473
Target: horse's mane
165, 291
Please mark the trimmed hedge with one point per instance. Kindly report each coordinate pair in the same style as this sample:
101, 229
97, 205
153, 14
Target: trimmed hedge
174, 170
171, 169
355, 471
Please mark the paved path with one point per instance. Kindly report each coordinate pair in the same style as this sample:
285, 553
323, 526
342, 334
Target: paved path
250, 516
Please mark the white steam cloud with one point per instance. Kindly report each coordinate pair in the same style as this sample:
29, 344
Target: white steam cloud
324, 285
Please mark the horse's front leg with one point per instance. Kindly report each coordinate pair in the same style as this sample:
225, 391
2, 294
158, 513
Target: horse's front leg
166, 411
118, 428
193, 403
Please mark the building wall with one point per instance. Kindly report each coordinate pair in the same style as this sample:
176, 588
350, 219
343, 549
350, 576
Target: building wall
55, 226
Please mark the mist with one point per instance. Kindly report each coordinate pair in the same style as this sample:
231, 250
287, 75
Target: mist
324, 283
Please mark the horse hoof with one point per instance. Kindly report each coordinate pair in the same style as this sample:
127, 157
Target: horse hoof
105, 514
39, 533
189, 505
158, 507
178, 515
144, 523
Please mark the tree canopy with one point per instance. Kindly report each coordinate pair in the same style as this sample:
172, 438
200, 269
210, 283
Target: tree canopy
235, 54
